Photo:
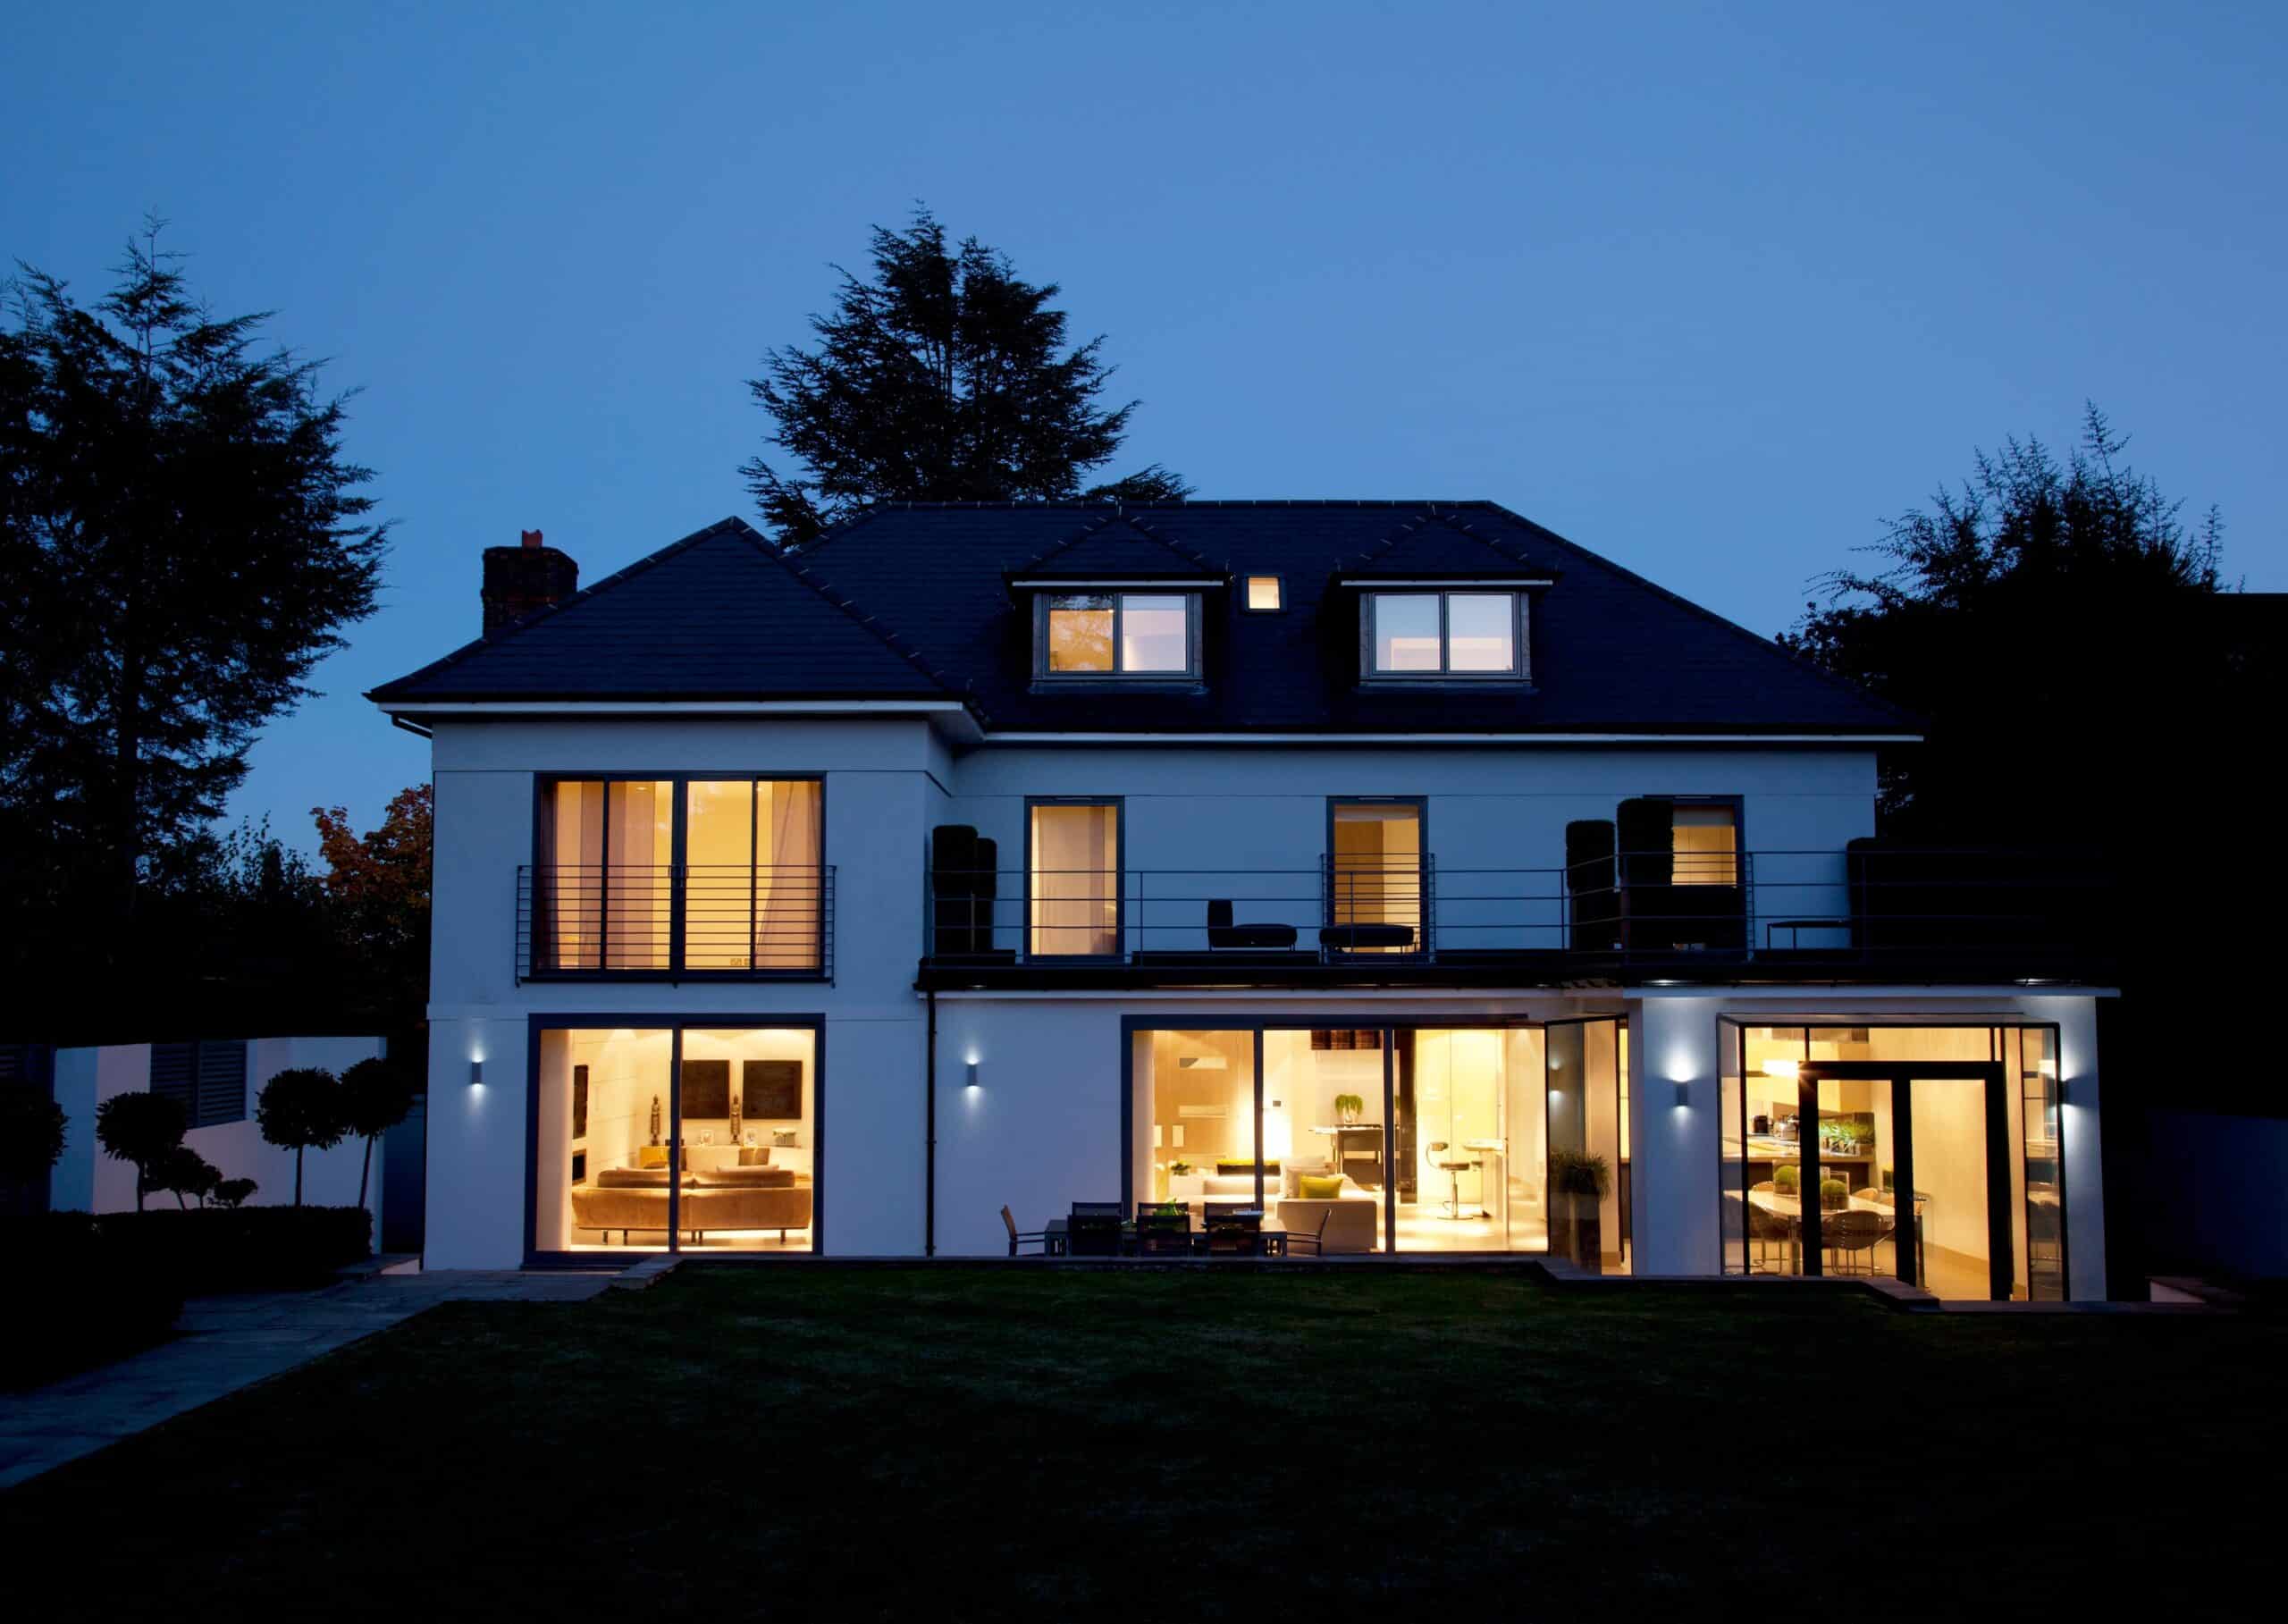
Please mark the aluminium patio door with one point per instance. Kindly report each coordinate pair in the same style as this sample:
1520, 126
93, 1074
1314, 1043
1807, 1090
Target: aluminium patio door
1903, 1171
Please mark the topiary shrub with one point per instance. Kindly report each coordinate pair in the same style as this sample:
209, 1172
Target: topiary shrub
142, 1129
1833, 1193
302, 1108
1789, 1177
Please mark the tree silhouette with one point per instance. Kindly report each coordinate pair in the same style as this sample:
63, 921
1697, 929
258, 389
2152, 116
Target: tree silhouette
943, 377
299, 1109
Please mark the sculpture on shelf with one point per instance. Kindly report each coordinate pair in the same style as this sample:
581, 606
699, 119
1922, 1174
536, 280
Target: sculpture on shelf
735, 1115
655, 1119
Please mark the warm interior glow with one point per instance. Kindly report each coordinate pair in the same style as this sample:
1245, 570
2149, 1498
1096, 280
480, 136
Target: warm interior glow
1263, 592
1705, 843
1074, 883
1080, 634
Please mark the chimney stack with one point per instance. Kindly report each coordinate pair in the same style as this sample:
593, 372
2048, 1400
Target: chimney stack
521, 579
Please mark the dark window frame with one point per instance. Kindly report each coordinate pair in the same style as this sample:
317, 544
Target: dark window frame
544, 785
1193, 614
1423, 924
1518, 672
194, 1093
812, 1021
1119, 804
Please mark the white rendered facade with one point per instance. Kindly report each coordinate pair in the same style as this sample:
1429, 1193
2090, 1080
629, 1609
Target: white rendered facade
1041, 1124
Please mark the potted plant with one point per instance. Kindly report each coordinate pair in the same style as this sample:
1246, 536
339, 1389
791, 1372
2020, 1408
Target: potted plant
1834, 1195
1348, 1108
1787, 1179
1578, 1184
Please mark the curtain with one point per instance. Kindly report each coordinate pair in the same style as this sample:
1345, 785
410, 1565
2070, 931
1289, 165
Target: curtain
1075, 880
641, 846
567, 899
790, 881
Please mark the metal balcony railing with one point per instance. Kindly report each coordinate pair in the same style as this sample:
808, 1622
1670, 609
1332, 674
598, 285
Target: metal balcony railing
1865, 904
673, 922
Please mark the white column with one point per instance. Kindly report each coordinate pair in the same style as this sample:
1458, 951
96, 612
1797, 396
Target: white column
1674, 1138
2085, 1195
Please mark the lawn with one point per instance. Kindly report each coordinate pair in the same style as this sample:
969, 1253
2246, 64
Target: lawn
1194, 1444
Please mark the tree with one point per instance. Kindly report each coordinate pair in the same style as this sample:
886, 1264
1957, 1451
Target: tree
943, 378
181, 540
142, 1129
234, 1192
2011, 618
183, 1172
377, 1093
32, 1135
376, 887
301, 1109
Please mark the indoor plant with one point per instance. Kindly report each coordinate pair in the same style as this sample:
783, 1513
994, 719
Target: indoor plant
1578, 1184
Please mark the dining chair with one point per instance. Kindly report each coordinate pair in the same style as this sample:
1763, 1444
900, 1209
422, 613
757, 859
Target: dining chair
1233, 1232
1093, 1234
1161, 1233
1313, 1241
1036, 1238
1852, 1231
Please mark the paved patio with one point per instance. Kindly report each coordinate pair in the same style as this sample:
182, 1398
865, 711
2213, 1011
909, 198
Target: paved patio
223, 1343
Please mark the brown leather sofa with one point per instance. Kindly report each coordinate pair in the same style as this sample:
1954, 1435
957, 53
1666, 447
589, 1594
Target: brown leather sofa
716, 1198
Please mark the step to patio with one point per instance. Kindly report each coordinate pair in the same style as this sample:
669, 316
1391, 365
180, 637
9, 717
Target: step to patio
646, 1274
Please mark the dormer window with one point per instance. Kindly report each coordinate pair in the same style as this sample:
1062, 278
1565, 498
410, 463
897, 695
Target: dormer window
1461, 634
1117, 633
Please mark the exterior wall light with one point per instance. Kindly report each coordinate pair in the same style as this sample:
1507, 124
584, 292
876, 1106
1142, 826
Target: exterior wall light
973, 1074
1684, 1096
476, 1073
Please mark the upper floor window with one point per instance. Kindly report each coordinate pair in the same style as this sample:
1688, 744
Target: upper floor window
747, 896
1117, 633
1444, 633
1262, 593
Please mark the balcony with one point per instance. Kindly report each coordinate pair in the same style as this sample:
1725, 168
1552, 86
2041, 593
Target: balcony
1868, 913
675, 923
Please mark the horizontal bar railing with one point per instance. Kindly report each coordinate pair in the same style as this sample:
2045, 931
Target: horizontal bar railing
757, 919
1812, 903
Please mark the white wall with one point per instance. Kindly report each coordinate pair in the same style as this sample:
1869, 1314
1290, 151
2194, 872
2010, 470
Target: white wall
88, 1181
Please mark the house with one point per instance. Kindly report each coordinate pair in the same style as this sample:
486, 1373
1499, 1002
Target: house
1386, 867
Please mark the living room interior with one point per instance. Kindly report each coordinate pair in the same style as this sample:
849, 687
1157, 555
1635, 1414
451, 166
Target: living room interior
743, 1178
1474, 1114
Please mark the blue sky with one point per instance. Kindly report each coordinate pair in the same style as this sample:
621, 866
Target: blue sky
1711, 290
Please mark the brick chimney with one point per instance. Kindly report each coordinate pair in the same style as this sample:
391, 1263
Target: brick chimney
518, 580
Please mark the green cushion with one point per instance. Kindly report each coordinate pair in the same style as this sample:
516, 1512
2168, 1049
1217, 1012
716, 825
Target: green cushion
1320, 1189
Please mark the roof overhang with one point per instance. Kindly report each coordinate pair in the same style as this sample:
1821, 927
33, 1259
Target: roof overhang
1504, 583
1107, 582
949, 716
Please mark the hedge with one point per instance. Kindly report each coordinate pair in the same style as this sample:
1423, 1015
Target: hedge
84, 1297
244, 1249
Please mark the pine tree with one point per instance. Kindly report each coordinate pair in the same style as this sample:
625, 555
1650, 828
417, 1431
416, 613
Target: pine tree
181, 542
944, 377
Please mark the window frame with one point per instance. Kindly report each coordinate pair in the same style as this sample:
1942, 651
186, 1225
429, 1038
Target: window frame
1119, 954
1278, 605
1044, 598
544, 785
1735, 804
1519, 671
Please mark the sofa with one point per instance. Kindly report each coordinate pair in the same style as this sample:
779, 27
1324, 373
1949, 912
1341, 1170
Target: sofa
716, 1193
1353, 1214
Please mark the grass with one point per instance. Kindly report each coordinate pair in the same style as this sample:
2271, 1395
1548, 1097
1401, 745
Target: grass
1195, 1444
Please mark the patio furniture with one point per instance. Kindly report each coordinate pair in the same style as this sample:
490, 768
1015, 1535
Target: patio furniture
1038, 1238
1095, 1232
1161, 1233
1233, 1232
1223, 933
1766, 1228
1308, 1239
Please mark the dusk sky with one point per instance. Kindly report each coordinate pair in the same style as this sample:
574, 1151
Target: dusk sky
1711, 290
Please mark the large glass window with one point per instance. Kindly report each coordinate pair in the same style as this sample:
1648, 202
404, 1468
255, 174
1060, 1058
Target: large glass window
1073, 878
1870, 1150
1324, 1126
1472, 1109
1117, 633
752, 885
1429, 633
610, 1172
1704, 845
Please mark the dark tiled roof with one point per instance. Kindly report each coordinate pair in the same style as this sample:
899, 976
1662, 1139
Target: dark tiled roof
720, 614
1611, 652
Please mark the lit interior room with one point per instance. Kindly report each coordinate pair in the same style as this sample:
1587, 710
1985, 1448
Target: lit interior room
744, 1177
1854, 1130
